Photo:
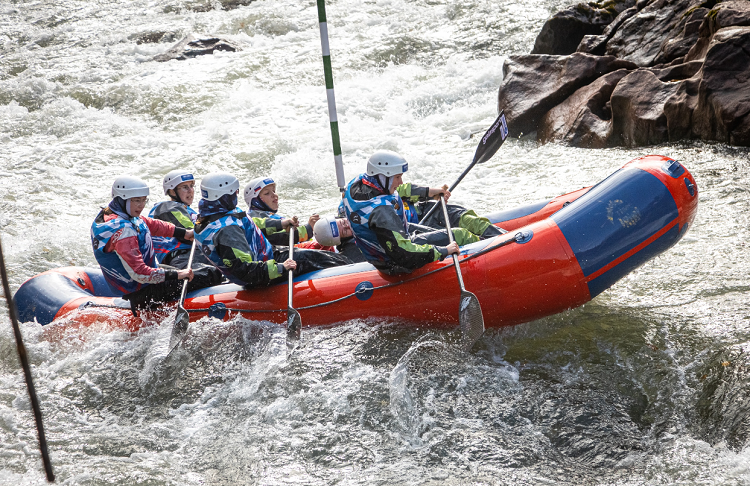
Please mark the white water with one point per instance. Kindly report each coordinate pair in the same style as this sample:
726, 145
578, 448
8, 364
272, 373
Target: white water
618, 392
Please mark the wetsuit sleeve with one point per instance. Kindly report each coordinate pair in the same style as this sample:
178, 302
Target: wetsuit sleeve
159, 228
125, 244
235, 252
413, 193
389, 229
273, 230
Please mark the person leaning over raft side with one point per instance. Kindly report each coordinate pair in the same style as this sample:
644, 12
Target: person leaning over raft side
376, 212
121, 239
237, 247
336, 232
263, 204
179, 185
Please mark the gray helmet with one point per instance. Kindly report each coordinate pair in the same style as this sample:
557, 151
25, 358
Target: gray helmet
216, 184
175, 178
129, 186
326, 231
387, 163
255, 186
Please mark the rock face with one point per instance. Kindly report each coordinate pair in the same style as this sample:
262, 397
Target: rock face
563, 32
190, 47
661, 71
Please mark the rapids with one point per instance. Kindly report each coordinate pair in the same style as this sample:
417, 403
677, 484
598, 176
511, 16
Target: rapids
647, 384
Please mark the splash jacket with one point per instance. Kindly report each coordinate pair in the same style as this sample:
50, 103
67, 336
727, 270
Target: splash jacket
236, 246
179, 214
379, 224
125, 253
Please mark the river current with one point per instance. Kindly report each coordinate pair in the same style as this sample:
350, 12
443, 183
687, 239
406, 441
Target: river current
647, 384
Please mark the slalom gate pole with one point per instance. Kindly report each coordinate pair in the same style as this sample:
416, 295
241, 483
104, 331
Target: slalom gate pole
26, 371
338, 160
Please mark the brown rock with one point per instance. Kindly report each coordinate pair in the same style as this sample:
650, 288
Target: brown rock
534, 84
583, 120
723, 110
640, 38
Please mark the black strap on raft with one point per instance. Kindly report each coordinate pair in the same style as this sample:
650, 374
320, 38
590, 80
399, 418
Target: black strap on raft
26, 371
516, 238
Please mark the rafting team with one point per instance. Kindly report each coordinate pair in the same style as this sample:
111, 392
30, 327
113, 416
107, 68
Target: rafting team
146, 257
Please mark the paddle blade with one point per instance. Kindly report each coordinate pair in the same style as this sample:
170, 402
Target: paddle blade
492, 140
470, 319
293, 326
181, 323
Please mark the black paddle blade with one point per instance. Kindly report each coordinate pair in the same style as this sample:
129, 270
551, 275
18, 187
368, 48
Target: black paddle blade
492, 140
293, 326
181, 323
470, 319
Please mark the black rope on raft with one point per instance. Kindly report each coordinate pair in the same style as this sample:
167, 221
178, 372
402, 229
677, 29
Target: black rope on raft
517, 237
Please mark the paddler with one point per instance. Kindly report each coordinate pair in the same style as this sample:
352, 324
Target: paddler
263, 205
335, 233
179, 185
122, 244
237, 247
374, 206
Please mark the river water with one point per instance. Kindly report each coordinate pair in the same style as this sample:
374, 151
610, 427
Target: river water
647, 384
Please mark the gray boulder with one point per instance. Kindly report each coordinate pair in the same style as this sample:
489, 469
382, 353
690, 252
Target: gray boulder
190, 47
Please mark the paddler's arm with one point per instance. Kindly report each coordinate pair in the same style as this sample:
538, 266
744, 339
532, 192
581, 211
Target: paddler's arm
237, 257
389, 229
275, 230
414, 193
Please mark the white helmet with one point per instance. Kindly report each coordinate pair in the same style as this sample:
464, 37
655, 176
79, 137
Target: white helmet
326, 231
387, 163
175, 178
129, 186
215, 185
255, 186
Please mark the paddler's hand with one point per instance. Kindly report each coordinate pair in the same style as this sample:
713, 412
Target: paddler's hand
313, 219
290, 264
185, 274
453, 248
189, 235
287, 222
436, 192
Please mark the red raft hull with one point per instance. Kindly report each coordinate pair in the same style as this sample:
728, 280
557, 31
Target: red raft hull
557, 255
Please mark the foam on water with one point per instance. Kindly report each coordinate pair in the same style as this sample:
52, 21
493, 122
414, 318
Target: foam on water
643, 385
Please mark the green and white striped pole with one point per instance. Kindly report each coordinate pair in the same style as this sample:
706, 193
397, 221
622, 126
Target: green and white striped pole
338, 160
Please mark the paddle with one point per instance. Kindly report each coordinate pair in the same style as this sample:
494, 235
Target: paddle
491, 142
293, 320
470, 318
181, 320
26, 371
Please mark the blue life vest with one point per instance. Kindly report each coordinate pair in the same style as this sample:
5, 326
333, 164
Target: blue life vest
260, 247
164, 245
358, 213
410, 212
114, 271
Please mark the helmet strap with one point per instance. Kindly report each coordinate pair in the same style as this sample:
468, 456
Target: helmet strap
174, 196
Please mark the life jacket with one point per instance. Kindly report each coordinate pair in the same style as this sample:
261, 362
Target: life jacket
260, 247
256, 213
410, 212
358, 213
114, 271
164, 245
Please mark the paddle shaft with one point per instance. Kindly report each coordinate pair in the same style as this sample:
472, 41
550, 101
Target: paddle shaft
189, 266
26, 371
485, 150
291, 257
333, 118
450, 238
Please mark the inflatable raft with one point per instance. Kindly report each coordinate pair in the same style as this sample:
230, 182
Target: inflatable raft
557, 255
